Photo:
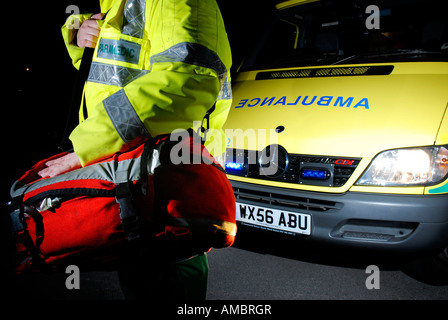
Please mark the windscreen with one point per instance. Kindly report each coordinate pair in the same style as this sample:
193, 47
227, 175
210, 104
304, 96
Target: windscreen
353, 32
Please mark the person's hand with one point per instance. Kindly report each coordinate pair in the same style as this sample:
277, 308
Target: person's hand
88, 32
60, 165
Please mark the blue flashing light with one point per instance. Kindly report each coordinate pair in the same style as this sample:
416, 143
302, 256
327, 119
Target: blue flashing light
316, 174
235, 166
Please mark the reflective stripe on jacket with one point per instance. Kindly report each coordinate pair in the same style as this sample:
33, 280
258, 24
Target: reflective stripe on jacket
159, 65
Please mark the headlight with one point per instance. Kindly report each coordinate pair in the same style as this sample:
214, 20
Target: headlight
407, 167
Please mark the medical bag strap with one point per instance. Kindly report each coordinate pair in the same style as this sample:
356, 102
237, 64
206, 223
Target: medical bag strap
77, 94
203, 129
27, 241
128, 213
124, 190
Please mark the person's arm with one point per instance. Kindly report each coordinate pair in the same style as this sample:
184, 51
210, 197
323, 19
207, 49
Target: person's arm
86, 36
189, 63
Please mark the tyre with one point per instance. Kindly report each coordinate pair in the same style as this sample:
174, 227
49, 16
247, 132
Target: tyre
431, 270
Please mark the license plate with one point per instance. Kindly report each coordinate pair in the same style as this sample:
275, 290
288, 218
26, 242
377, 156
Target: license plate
273, 219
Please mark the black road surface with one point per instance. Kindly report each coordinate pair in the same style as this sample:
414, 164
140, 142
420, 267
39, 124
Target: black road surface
272, 273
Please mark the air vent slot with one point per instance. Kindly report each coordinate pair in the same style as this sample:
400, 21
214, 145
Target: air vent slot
326, 72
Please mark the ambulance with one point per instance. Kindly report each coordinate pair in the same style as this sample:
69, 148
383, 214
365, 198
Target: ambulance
338, 132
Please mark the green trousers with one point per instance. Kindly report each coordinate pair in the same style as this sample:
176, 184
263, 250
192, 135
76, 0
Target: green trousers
156, 278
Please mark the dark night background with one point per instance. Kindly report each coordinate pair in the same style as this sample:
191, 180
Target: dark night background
39, 79
40, 76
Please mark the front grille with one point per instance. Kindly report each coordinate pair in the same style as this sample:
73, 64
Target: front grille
340, 169
285, 200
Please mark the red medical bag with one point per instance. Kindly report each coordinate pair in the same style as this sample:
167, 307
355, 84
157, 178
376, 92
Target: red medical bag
88, 216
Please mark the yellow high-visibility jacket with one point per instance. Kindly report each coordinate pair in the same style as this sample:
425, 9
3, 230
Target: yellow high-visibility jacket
159, 65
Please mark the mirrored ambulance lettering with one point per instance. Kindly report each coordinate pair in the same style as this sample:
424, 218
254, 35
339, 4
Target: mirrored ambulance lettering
323, 101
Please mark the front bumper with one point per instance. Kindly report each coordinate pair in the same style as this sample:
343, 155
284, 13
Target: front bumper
386, 222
